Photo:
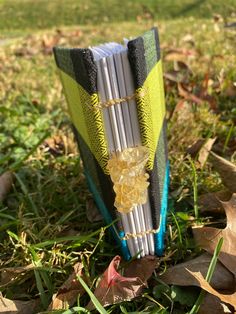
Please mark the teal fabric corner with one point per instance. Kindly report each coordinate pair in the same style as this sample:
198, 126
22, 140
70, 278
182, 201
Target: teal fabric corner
108, 219
159, 237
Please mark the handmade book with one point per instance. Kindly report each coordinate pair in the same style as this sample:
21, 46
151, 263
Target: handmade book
115, 97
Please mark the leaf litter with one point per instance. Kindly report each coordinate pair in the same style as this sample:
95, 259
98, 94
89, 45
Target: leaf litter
208, 237
6, 181
115, 288
227, 171
181, 59
68, 293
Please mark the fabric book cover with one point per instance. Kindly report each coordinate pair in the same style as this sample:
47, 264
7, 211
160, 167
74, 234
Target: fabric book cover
115, 98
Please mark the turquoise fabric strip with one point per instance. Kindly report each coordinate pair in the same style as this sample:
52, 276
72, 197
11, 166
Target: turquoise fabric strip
107, 217
159, 237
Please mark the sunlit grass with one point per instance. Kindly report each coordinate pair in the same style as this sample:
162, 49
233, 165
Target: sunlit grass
43, 218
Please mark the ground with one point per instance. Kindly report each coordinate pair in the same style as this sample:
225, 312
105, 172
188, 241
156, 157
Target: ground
44, 217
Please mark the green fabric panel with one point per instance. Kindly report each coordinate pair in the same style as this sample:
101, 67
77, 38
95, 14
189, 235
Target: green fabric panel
87, 118
151, 110
73, 96
150, 51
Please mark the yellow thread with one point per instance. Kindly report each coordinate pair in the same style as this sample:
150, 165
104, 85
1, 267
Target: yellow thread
142, 233
115, 101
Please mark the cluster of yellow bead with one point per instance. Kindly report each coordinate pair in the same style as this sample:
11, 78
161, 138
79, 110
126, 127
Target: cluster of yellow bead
127, 171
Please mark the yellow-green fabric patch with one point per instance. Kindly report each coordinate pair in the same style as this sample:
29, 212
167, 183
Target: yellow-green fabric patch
86, 117
151, 110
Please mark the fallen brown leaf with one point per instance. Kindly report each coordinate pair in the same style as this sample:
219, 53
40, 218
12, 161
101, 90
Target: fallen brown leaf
188, 38
194, 149
205, 150
6, 180
180, 54
179, 275
212, 305
188, 95
212, 202
227, 171
227, 298
183, 111
11, 274
8, 306
142, 268
114, 288
92, 212
175, 76
69, 291
208, 237
201, 98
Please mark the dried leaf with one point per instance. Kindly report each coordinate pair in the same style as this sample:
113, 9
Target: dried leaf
180, 54
205, 150
227, 171
142, 268
211, 202
208, 237
212, 305
8, 306
195, 147
178, 274
175, 76
92, 212
114, 288
188, 38
69, 291
183, 111
227, 298
188, 95
6, 180
11, 274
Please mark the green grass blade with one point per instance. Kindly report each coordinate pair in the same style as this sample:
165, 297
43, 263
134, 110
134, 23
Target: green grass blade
209, 275
95, 301
76, 309
214, 259
13, 235
195, 189
178, 228
81, 239
41, 276
24, 190
40, 288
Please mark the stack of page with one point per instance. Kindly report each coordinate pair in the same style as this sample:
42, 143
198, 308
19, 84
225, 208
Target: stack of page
116, 101
114, 80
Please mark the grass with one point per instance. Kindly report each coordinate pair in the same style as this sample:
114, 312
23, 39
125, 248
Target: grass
41, 14
195, 309
43, 218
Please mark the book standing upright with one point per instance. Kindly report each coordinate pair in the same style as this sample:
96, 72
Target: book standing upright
115, 97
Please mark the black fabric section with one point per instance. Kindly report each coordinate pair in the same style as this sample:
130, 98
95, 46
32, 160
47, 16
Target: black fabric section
85, 69
78, 64
157, 177
136, 55
157, 43
165, 138
101, 180
63, 60
154, 194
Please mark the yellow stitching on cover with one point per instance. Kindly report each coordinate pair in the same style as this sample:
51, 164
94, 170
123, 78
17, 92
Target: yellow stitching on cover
115, 101
142, 233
